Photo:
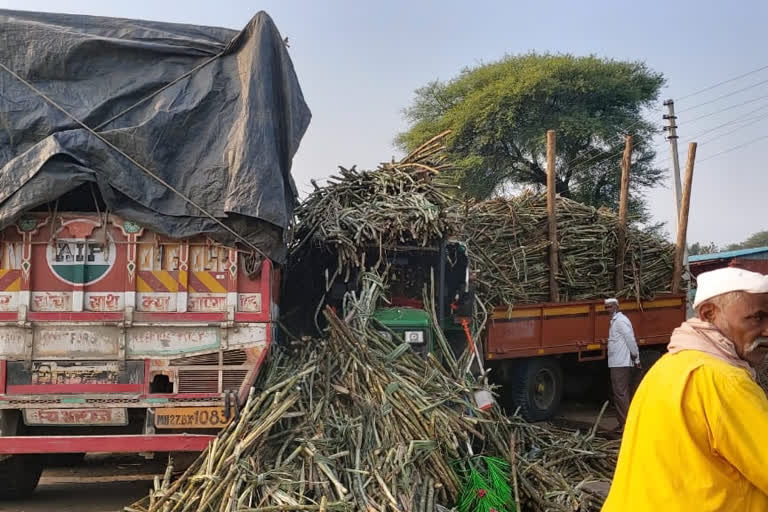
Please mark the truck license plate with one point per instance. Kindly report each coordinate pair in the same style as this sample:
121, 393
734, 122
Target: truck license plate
76, 416
190, 417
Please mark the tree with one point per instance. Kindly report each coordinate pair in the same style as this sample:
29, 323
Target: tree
699, 248
759, 239
499, 114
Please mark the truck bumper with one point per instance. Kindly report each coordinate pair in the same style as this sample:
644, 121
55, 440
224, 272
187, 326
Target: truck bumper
15, 445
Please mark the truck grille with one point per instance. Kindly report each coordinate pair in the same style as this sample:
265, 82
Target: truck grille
198, 381
235, 357
231, 358
233, 379
207, 381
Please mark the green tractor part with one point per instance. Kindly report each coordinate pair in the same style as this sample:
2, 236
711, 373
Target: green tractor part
412, 325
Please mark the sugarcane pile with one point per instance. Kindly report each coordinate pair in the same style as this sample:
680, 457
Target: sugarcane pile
356, 421
509, 248
556, 468
349, 224
398, 204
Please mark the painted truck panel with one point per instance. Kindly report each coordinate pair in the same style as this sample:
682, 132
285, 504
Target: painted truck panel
96, 306
577, 327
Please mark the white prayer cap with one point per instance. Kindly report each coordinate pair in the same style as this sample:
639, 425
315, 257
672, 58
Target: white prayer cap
726, 280
611, 302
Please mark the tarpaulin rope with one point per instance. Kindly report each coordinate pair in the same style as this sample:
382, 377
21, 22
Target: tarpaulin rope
147, 98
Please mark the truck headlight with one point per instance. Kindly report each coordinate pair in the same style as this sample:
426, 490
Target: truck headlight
414, 337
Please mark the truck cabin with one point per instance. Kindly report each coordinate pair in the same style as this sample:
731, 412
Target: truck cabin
410, 270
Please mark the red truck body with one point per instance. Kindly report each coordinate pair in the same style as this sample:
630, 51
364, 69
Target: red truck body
114, 338
579, 328
539, 351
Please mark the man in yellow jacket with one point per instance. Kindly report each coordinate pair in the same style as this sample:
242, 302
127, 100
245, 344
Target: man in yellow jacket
696, 437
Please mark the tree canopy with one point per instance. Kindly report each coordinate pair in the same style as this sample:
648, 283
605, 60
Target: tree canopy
499, 114
759, 239
697, 248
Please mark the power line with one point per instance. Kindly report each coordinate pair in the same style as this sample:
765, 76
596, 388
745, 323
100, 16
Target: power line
610, 156
728, 150
695, 93
725, 109
733, 121
747, 122
625, 130
580, 165
734, 148
723, 96
729, 80
691, 139
733, 93
751, 122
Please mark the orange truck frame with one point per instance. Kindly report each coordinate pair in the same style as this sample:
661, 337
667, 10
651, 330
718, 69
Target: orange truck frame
530, 345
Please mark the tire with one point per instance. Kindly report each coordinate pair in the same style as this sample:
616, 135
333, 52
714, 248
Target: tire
537, 388
19, 476
64, 460
648, 358
577, 386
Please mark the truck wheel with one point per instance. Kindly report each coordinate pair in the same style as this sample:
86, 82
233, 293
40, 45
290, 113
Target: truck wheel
538, 388
648, 358
64, 460
19, 475
577, 386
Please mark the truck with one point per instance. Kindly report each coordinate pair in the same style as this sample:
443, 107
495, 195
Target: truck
531, 347
535, 351
146, 197
114, 338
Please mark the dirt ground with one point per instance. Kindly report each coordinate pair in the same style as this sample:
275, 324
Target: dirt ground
101, 483
80, 496
108, 483
583, 415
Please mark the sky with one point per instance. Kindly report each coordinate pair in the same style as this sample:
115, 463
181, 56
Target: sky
359, 62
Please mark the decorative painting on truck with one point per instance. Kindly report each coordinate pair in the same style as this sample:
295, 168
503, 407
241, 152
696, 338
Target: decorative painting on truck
79, 262
103, 297
83, 257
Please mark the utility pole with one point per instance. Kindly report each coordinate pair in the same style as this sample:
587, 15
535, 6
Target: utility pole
621, 248
554, 292
672, 138
682, 221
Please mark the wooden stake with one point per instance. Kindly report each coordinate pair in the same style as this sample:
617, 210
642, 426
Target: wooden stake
626, 162
554, 291
682, 223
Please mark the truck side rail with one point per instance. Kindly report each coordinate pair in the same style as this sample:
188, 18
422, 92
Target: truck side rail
579, 327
